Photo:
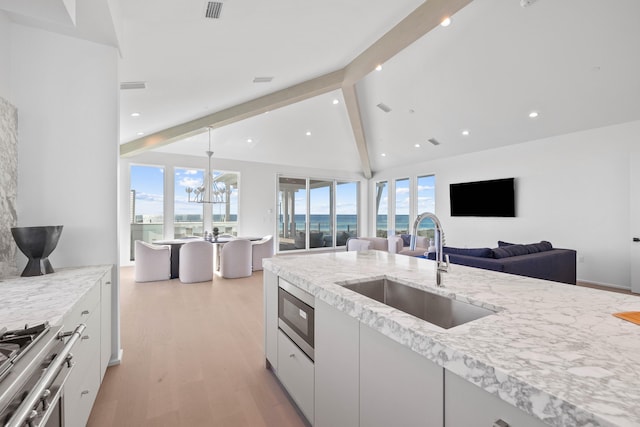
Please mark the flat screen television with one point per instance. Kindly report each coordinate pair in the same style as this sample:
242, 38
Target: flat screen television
494, 198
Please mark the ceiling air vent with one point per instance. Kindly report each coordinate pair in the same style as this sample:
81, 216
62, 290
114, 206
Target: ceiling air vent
133, 85
384, 107
213, 9
262, 79
434, 141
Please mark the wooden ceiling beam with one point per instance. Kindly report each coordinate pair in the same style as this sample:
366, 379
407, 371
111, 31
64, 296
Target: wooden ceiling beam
353, 110
269, 102
423, 19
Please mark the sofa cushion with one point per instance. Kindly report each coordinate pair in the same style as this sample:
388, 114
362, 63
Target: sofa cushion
475, 252
509, 251
531, 248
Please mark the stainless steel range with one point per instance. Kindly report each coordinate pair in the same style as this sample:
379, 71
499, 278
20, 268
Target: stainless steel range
34, 364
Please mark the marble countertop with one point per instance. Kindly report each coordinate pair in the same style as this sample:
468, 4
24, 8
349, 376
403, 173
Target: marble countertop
33, 300
553, 350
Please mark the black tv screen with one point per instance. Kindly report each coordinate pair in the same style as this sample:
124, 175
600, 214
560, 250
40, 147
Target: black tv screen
483, 198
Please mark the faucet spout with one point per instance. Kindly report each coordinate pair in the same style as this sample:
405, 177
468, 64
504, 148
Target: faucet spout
441, 266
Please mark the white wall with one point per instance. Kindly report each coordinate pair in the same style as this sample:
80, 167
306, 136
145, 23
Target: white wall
257, 190
572, 190
5, 39
66, 93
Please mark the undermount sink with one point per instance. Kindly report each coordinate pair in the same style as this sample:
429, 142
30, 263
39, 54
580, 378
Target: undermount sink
433, 308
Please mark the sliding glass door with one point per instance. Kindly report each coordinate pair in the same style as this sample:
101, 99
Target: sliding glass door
311, 210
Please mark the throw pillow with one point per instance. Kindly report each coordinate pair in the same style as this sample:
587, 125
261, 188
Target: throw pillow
475, 252
509, 251
406, 239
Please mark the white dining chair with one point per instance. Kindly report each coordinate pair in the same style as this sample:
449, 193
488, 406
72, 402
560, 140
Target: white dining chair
235, 259
152, 262
261, 249
196, 262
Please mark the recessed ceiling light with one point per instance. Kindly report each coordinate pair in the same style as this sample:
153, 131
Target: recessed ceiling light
249, 140
379, 67
384, 154
446, 22
336, 101
417, 145
135, 114
533, 114
465, 132
308, 133
384, 107
140, 133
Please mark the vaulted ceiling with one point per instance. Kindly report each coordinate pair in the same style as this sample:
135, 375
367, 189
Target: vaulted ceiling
575, 62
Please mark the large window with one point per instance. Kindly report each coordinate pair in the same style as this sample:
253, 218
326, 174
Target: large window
224, 216
410, 197
292, 208
311, 210
146, 204
320, 213
347, 197
187, 215
426, 203
382, 208
403, 206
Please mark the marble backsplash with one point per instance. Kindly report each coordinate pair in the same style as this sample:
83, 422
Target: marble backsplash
8, 186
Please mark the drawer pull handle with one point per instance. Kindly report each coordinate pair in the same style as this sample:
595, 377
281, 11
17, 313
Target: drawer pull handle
292, 355
84, 312
86, 337
500, 423
107, 283
83, 392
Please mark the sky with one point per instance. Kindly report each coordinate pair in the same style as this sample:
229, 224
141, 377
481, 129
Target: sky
148, 181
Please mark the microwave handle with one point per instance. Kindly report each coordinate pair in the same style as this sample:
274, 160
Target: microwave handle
25, 410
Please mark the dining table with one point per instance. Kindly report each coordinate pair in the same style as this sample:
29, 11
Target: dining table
176, 244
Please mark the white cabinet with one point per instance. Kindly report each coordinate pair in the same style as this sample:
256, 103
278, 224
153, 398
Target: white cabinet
91, 353
295, 371
105, 323
270, 281
397, 385
469, 405
82, 385
337, 352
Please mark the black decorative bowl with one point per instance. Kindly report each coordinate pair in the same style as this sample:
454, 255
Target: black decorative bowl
37, 243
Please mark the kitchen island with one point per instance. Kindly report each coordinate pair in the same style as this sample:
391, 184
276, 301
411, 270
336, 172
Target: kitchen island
553, 351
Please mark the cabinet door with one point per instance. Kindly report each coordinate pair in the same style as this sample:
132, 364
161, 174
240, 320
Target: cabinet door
295, 371
105, 323
397, 385
270, 282
337, 342
468, 405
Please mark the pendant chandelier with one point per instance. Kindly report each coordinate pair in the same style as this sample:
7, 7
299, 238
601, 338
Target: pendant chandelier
210, 191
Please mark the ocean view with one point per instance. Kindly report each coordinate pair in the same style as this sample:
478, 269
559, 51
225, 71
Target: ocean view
349, 223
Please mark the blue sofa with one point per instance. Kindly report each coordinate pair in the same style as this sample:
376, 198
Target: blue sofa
537, 260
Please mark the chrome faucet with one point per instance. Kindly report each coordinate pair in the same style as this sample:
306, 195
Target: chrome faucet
441, 266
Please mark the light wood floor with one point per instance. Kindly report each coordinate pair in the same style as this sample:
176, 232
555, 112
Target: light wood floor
193, 356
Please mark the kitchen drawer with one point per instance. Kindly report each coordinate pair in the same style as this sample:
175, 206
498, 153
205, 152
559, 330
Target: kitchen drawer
89, 342
81, 389
296, 373
466, 404
83, 309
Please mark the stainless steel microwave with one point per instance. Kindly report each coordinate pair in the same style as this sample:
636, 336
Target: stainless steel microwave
296, 316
